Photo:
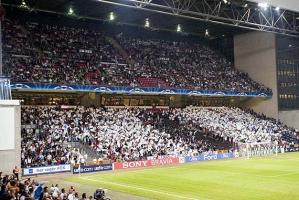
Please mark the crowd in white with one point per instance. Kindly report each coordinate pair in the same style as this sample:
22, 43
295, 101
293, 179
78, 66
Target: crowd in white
44, 142
136, 133
113, 133
234, 123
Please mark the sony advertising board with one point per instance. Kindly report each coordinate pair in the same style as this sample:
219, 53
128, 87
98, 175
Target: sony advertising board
149, 163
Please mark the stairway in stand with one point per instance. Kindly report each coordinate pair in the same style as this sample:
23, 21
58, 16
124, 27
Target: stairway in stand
120, 49
84, 149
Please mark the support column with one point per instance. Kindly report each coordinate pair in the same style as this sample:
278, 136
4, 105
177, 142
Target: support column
255, 54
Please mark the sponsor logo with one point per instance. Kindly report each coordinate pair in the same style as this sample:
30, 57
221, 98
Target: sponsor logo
103, 89
167, 91
209, 157
63, 87
46, 170
135, 164
148, 163
136, 90
166, 161
19, 86
92, 168
194, 92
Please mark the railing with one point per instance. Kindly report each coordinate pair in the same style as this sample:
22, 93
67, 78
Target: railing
5, 89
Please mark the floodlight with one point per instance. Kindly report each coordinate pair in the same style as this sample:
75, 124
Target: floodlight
263, 5
111, 16
147, 24
71, 11
179, 29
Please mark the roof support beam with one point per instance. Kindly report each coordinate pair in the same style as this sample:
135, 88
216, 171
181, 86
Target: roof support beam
232, 14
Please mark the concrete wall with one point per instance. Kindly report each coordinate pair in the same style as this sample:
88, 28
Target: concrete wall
255, 54
290, 118
12, 157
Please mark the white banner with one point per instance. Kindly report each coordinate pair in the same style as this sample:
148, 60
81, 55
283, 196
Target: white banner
46, 170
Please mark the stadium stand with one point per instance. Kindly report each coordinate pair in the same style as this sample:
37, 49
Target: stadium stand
128, 134
45, 53
95, 100
115, 134
186, 65
50, 54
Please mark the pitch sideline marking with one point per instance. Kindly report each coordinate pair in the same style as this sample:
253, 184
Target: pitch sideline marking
139, 188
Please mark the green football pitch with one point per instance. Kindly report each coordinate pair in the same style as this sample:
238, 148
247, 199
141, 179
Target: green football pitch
264, 178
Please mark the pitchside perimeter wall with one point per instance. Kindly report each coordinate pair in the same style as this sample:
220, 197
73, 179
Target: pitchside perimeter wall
255, 54
10, 135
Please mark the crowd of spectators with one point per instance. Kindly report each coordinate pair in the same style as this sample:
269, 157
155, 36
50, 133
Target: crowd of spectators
44, 142
186, 65
127, 134
44, 53
115, 134
28, 189
235, 124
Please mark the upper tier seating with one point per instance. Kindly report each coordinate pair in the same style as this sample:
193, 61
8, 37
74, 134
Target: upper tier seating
45, 53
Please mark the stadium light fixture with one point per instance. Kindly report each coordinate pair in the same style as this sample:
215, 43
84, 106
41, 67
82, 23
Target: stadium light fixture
207, 34
23, 4
147, 23
263, 5
225, 1
277, 9
111, 16
178, 28
71, 11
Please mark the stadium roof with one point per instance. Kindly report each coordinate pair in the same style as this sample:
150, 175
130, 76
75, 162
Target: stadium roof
285, 4
219, 17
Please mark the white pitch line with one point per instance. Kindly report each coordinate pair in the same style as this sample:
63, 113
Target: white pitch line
140, 188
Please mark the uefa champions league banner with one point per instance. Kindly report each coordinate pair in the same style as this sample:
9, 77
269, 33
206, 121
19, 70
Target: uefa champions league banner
46, 170
130, 90
204, 157
93, 168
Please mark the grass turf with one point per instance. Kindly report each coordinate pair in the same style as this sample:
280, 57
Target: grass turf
266, 178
